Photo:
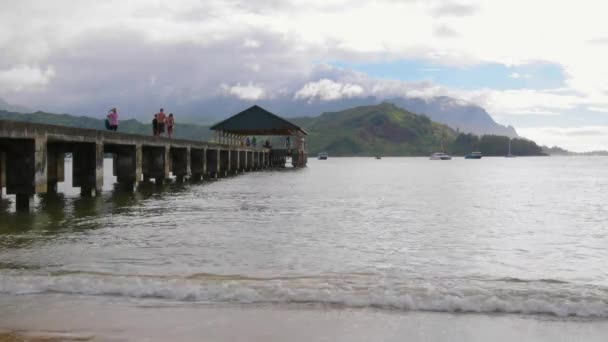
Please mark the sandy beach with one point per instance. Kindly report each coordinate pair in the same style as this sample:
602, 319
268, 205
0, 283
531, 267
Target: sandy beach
60, 318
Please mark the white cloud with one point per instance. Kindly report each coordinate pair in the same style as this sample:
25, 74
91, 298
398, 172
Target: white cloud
245, 92
577, 139
445, 32
517, 75
254, 67
523, 102
25, 76
326, 89
193, 46
252, 43
449, 8
598, 109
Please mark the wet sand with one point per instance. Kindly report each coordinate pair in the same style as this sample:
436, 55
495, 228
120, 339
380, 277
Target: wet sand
31, 336
116, 319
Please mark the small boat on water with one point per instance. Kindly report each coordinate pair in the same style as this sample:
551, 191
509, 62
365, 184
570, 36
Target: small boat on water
440, 156
322, 156
473, 155
509, 155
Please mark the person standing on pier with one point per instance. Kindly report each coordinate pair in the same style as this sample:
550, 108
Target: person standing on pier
113, 120
170, 122
254, 142
247, 142
155, 125
160, 121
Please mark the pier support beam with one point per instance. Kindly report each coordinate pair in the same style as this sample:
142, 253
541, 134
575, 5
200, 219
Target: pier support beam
224, 162
197, 164
26, 169
181, 163
127, 164
2, 170
155, 163
256, 160
24, 202
212, 163
249, 165
55, 167
234, 162
87, 168
242, 161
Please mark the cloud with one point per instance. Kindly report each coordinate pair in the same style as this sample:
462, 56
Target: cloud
577, 139
25, 76
517, 75
245, 92
599, 41
68, 56
326, 90
252, 43
443, 31
454, 9
598, 109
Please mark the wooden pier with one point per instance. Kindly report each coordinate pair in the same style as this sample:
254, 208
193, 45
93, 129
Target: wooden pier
32, 156
32, 159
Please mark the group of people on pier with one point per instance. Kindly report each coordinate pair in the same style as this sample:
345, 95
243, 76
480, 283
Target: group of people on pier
160, 123
254, 142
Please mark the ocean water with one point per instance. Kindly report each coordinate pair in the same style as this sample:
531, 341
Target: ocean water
522, 237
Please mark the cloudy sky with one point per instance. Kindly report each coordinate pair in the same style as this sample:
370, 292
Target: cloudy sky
539, 65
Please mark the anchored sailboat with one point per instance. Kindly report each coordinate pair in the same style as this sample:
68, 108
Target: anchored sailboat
509, 155
440, 155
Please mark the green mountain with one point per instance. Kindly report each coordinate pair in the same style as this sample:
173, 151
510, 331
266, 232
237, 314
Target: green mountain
182, 130
388, 130
383, 129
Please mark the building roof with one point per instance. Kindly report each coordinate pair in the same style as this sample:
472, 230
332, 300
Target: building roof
257, 121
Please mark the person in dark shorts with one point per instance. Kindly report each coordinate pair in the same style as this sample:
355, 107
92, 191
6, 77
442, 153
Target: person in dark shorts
155, 125
160, 119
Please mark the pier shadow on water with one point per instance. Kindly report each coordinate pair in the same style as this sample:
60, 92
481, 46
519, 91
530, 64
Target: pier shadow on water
67, 211
60, 212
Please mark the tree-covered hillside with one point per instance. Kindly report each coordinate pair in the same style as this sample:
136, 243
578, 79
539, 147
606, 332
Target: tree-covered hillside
383, 129
388, 130
494, 145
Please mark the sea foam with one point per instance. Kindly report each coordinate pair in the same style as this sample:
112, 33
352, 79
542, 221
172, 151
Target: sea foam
558, 299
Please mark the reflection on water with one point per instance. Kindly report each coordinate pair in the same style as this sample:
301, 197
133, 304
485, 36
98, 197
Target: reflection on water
67, 211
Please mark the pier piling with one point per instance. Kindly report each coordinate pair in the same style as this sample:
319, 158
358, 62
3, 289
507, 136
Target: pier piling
212, 163
197, 164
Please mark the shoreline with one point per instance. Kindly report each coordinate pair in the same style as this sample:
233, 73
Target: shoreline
85, 318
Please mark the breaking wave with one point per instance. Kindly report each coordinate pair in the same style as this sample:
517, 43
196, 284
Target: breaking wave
543, 297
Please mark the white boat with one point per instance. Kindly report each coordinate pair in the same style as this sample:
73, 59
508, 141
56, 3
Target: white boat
509, 155
323, 156
440, 156
473, 155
